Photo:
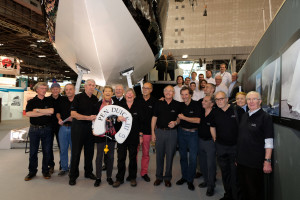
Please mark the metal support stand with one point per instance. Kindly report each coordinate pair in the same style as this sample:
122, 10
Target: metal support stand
142, 84
81, 71
128, 73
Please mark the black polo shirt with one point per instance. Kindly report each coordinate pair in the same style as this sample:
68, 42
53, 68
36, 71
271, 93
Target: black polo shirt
253, 131
85, 105
64, 108
133, 137
226, 124
204, 126
37, 103
118, 101
147, 108
201, 106
166, 112
191, 110
55, 103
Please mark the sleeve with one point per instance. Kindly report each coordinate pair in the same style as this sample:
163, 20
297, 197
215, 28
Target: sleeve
29, 106
75, 104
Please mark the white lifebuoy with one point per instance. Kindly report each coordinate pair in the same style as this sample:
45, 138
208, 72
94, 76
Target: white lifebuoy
99, 123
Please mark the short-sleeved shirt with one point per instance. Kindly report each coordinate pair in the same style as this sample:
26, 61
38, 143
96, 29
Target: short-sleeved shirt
166, 113
204, 126
192, 110
64, 108
253, 131
85, 105
147, 108
55, 103
226, 124
37, 103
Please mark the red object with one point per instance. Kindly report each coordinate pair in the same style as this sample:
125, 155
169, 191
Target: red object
6, 62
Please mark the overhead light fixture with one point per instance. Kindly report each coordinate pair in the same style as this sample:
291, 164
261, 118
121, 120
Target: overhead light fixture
68, 77
185, 56
67, 71
41, 56
1, 44
21, 60
205, 11
41, 41
22, 72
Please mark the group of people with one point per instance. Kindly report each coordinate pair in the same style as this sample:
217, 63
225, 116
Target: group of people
235, 131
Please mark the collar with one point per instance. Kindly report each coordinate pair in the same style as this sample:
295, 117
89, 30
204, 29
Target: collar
253, 112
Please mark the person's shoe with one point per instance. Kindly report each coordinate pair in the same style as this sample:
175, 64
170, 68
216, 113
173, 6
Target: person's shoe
117, 183
51, 170
104, 168
29, 176
210, 191
146, 178
168, 183
181, 181
91, 176
97, 182
202, 185
72, 182
191, 186
47, 175
62, 173
133, 182
157, 182
128, 179
110, 181
198, 174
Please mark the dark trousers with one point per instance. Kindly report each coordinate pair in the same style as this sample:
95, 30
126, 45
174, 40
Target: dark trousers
188, 162
226, 158
36, 135
165, 145
55, 130
207, 157
109, 156
161, 74
122, 154
81, 136
251, 181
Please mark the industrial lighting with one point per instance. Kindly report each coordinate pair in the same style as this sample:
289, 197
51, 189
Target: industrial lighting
41, 40
185, 56
22, 72
1, 44
205, 11
68, 77
41, 56
67, 71
21, 60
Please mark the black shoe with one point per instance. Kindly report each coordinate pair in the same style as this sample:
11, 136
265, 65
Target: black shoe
91, 176
198, 175
133, 182
62, 173
72, 182
168, 183
51, 170
157, 182
181, 181
202, 185
47, 175
146, 178
210, 191
104, 168
117, 184
110, 181
191, 186
30, 176
128, 179
97, 182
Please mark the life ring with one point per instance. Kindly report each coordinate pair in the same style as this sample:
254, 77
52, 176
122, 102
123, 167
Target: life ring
99, 123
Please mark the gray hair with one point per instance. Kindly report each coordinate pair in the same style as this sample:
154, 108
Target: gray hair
254, 92
169, 86
90, 80
40, 84
221, 92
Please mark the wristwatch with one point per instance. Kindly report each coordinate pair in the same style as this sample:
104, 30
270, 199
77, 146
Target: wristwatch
268, 160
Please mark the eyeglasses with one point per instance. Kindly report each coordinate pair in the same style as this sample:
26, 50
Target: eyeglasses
144, 88
220, 99
253, 99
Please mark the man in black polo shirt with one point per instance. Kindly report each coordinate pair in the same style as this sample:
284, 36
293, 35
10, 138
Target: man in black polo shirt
55, 98
65, 121
188, 137
83, 112
147, 103
224, 130
165, 135
254, 150
39, 109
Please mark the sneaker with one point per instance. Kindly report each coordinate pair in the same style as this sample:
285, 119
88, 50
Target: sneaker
47, 175
146, 178
62, 173
97, 182
30, 176
110, 181
181, 181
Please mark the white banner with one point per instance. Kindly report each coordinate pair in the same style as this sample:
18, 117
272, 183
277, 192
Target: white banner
9, 65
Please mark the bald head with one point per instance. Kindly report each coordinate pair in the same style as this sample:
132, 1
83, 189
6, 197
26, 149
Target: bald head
234, 76
218, 80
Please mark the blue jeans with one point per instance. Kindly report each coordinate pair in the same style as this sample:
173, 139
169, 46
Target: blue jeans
45, 136
188, 141
64, 137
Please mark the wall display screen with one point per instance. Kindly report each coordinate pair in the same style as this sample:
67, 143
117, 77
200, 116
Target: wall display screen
271, 87
290, 91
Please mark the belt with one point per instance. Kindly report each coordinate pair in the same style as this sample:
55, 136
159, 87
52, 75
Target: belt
166, 129
67, 124
190, 130
39, 126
